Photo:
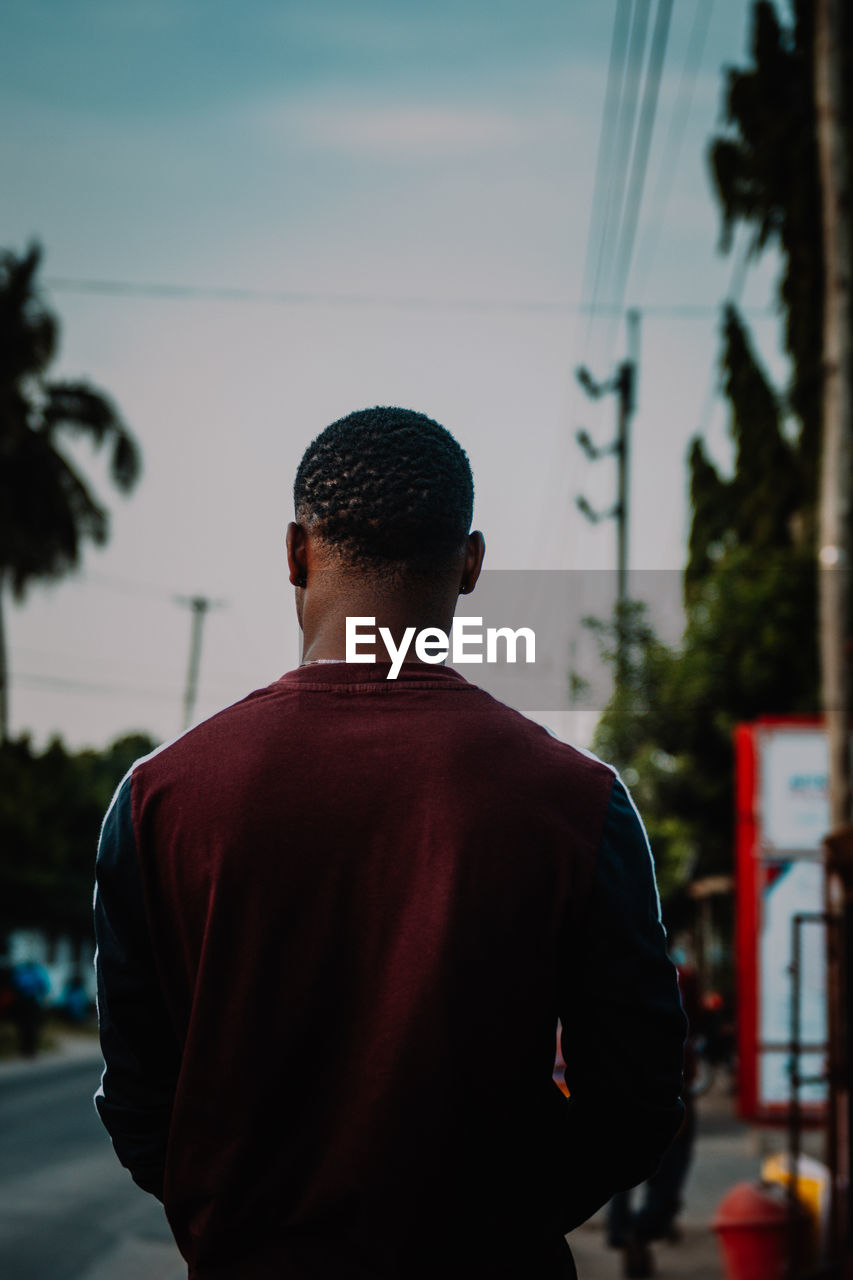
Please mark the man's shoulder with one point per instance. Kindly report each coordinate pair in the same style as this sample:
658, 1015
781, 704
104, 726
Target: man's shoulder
544, 746
217, 737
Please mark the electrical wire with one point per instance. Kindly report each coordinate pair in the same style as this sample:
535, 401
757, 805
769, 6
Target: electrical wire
178, 292
640, 160
289, 298
64, 684
606, 142
616, 188
71, 684
671, 152
125, 587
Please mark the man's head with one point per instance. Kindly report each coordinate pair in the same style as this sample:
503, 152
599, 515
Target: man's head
383, 499
386, 488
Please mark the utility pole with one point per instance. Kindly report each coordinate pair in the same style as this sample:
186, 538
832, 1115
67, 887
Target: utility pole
4, 669
835, 555
199, 606
837, 458
623, 384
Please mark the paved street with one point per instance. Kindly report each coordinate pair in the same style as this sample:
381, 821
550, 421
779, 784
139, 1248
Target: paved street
726, 1152
68, 1211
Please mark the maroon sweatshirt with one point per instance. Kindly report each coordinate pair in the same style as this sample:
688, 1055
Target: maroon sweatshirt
337, 924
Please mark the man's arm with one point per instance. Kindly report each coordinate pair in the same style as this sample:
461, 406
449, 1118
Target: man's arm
141, 1052
623, 1026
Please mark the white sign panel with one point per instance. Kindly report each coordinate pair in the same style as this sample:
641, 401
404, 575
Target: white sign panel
790, 888
794, 790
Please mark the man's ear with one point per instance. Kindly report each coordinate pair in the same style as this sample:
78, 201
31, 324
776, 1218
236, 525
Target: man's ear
297, 557
474, 551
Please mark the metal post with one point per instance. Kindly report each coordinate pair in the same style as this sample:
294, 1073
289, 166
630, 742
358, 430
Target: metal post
832, 923
839, 866
794, 1119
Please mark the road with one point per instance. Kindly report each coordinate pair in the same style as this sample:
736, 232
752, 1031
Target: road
68, 1211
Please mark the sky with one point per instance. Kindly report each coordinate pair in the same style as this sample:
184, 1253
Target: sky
349, 203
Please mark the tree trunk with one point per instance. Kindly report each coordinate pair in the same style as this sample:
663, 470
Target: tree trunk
4, 670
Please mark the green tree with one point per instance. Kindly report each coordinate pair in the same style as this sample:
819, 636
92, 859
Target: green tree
47, 509
750, 642
766, 504
765, 170
749, 648
51, 807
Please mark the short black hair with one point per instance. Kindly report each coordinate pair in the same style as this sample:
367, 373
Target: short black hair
387, 486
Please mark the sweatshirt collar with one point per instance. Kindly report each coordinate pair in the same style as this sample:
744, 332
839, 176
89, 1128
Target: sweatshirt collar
355, 674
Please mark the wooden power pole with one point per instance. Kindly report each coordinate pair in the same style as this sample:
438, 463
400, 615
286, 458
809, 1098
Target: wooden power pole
835, 554
199, 606
623, 383
837, 467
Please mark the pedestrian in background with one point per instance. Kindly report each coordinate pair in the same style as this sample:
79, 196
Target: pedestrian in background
31, 986
74, 1003
634, 1230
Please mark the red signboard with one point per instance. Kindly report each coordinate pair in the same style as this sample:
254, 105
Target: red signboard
781, 816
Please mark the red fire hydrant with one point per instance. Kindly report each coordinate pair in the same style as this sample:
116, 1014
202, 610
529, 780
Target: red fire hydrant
753, 1226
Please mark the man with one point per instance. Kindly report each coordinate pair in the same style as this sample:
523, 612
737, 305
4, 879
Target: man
338, 922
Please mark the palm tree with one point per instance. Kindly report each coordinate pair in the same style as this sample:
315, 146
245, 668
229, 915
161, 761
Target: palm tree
47, 510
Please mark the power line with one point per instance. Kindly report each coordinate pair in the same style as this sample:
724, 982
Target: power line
66, 685
126, 587
182, 292
640, 157
71, 684
675, 137
621, 155
278, 297
221, 679
56, 657
604, 159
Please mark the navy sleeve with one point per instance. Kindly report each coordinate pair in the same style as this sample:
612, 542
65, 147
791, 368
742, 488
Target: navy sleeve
141, 1053
623, 1025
